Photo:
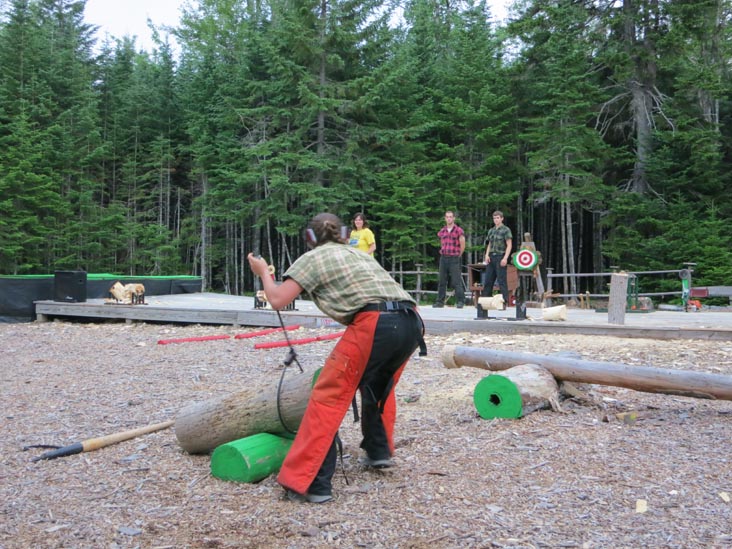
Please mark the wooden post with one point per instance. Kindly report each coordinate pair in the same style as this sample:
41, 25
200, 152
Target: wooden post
618, 298
528, 244
638, 378
418, 291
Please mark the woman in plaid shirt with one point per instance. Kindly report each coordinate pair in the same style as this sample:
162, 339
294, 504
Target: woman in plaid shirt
383, 331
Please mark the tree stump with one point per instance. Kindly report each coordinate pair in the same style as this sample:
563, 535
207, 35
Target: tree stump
516, 392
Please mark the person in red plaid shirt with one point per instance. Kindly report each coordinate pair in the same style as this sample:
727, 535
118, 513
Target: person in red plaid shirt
452, 246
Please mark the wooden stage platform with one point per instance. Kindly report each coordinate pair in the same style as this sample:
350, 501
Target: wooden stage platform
211, 308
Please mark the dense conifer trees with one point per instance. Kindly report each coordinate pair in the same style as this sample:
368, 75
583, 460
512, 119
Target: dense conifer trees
603, 128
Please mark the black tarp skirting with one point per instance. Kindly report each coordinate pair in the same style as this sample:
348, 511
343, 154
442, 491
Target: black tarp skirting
17, 293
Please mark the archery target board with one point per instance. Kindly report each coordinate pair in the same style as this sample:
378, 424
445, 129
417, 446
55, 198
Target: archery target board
525, 260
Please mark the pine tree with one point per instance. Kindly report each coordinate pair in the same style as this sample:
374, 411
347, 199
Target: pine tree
564, 151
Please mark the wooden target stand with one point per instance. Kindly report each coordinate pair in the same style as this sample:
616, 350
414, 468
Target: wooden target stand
522, 275
526, 260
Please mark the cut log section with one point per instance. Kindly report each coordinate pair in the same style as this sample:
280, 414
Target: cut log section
516, 392
638, 378
250, 459
558, 312
277, 409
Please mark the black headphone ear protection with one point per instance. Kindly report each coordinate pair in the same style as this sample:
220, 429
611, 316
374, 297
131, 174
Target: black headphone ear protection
312, 240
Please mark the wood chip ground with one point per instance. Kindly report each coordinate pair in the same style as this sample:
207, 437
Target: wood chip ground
617, 468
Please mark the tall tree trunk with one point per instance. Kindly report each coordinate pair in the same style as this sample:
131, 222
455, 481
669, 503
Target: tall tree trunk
228, 256
565, 251
569, 235
641, 22
204, 234
641, 109
597, 264
322, 84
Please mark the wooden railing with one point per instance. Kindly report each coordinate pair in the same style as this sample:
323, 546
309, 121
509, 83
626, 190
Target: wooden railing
419, 291
566, 280
559, 291
556, 290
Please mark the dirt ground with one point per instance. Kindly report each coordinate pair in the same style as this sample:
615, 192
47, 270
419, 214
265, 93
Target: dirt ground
584, 477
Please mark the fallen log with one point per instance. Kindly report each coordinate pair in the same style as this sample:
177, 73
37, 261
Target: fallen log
639, 378
276, 409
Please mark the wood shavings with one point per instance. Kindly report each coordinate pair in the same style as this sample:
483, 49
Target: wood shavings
546, 480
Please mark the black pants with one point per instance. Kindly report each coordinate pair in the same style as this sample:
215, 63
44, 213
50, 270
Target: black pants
492, 272
396, 337
451, 267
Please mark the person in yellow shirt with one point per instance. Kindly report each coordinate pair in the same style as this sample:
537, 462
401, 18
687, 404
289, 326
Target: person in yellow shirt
362, 237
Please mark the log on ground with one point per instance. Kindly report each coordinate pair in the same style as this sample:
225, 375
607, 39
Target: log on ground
516, 392
639, 378
275, 409
250, 459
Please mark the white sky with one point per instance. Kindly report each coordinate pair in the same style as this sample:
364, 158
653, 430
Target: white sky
119, 18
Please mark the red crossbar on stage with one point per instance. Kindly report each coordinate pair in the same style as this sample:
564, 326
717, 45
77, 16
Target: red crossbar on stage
266, 332
189, 339
275, 344
215, 337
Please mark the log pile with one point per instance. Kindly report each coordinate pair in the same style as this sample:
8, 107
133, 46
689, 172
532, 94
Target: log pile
638, 378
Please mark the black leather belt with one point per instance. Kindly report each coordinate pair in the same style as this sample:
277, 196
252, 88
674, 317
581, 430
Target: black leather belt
388, 306
393, 307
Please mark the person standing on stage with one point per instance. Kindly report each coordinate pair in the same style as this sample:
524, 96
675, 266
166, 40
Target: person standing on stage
452, 246
497, 251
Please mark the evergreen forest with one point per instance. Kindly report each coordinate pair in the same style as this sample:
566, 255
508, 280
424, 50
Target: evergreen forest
601, 127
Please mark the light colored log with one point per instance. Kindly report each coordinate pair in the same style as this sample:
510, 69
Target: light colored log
203, 426
638, 378
536, 385
516, 392
558, 312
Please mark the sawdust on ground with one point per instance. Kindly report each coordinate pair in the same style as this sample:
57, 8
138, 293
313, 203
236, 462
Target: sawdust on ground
660, 477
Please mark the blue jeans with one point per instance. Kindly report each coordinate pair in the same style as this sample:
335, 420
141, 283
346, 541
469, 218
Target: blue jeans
451, 267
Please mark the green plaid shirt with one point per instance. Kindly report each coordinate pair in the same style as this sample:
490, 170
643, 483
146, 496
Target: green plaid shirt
341, 280
497, 237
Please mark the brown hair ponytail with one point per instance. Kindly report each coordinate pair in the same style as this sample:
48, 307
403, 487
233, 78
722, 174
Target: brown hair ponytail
325, 227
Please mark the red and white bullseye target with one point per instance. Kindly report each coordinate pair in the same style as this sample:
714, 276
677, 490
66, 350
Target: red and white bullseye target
525, 259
